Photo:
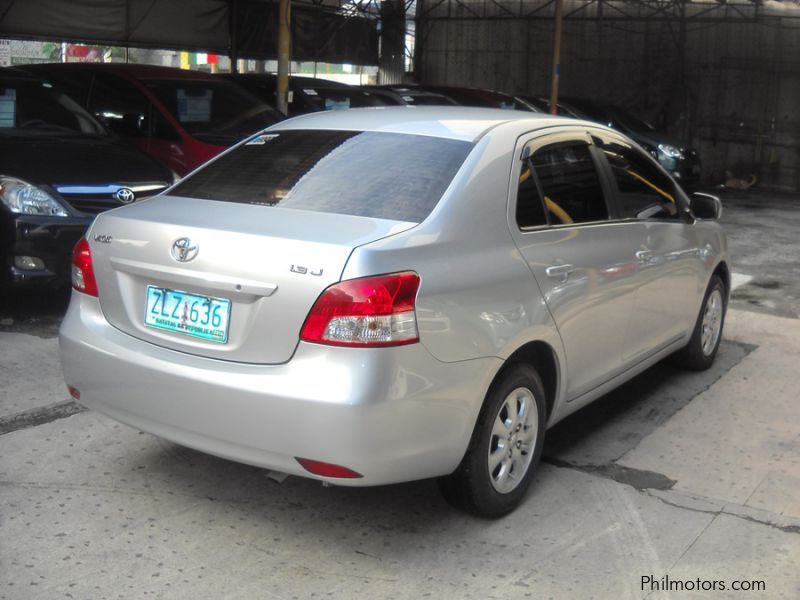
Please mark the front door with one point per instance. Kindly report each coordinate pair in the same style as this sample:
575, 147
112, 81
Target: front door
670, 272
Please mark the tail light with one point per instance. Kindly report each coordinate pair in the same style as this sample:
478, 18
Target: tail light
82, 271
372, 312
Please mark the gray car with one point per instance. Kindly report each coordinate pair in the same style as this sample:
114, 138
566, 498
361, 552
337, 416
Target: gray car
381, 295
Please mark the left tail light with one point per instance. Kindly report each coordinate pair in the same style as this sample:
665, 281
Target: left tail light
367, 312
83, 278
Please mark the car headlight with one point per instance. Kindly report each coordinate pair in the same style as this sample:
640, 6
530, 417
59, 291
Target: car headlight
24, 198
670, 151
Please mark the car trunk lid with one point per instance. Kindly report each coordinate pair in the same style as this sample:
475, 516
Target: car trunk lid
265, 266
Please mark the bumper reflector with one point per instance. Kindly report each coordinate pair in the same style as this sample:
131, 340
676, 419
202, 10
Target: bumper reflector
74, 392
326, 469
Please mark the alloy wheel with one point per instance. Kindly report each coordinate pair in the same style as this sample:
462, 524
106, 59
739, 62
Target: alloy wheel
513, 440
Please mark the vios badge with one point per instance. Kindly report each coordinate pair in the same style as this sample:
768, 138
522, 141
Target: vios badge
125, 195
184, 250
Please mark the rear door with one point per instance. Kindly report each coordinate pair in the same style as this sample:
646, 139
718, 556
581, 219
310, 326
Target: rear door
669, 269
581, 260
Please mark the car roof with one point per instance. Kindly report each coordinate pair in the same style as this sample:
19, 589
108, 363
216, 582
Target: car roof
127, 69
453, 122
299, 80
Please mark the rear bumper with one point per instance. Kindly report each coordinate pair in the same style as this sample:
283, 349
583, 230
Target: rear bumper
391, 414
49, 239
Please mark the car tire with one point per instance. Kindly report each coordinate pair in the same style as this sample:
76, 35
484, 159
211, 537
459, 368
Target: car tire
505, 447
699, 353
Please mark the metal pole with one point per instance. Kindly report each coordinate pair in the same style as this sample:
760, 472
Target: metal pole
284, 48
683, 87
556, 58
419, 41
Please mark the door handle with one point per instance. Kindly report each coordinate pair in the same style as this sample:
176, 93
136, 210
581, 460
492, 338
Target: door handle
644, 256
561, 271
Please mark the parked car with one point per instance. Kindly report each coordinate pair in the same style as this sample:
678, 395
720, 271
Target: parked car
360, 298
402, 95
306, 94
58, 169
676, 156
182, 118
542, 104
481, 98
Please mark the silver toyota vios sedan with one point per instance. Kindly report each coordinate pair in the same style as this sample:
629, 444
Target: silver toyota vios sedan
373, 296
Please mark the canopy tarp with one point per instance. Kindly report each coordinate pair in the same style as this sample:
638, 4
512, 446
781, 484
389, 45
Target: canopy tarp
246, 28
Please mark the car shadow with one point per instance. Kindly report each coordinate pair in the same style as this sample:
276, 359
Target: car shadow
605, 430
33, 311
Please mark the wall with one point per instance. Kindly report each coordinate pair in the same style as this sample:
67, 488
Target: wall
737, 98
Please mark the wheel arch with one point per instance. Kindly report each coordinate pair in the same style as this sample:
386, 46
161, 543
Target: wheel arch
541, 356
724, 273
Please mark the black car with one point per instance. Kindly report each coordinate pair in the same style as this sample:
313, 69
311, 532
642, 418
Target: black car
306, 94
58, 168
542, 104
480, 97
676, 156
407, 95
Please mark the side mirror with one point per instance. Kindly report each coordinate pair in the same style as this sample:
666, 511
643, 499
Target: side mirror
705, 206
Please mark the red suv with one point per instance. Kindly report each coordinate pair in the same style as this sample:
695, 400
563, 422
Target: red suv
182, 118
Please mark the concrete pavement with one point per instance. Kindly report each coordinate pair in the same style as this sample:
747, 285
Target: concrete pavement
676, 474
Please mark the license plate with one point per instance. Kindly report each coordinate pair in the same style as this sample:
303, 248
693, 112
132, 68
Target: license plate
198, 316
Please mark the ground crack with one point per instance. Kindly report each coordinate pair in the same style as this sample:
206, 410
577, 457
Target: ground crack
644, 481
39, 416
636, 478
722, 511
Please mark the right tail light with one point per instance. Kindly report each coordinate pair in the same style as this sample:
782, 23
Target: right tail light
367, 312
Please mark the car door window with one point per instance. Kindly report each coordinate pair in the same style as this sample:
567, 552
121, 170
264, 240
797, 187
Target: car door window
644, 192
569, 183
75, 83
530, 208
120, 105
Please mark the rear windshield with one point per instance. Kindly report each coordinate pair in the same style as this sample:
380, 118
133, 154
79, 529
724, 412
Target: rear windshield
369, 174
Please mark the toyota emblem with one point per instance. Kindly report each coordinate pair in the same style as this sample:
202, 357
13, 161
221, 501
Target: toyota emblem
184, 250
125, 195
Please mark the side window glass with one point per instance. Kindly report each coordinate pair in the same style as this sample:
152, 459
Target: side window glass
75, 84
120, 105
530, 209
161, 128
569, 182
644, 191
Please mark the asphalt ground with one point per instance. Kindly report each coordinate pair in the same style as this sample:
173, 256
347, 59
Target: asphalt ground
694, 477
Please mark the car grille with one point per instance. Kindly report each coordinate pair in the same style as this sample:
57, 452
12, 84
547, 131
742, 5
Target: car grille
92, 205
92, 200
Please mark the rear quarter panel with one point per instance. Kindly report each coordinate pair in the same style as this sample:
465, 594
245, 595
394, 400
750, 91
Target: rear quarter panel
477, 297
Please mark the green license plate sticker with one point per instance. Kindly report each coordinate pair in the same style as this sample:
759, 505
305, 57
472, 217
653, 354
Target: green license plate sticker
198, 316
